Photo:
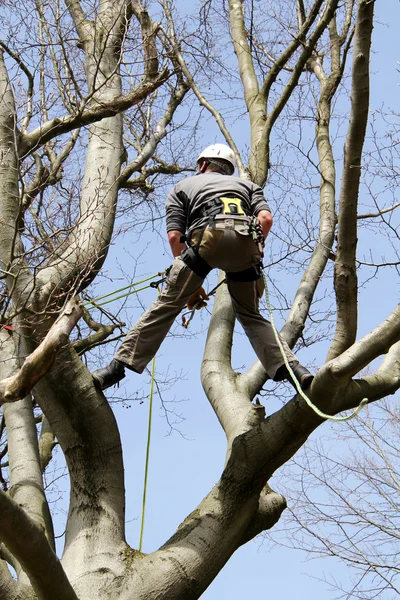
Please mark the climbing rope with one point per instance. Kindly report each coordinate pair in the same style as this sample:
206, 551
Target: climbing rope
298, 388
146, 467
112, 297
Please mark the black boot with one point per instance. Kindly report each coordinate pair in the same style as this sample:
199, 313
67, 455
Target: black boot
303, 375
109, 375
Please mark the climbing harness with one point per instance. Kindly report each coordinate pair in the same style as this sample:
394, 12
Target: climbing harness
250, 274
290, 370
226, 213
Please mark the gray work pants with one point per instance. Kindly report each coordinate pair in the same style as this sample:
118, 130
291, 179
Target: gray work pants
227, 250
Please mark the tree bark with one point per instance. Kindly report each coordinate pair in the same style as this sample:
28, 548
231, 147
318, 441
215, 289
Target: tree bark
345, 263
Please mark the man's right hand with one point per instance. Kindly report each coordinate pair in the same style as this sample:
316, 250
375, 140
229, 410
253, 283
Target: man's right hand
198, 298
174, 238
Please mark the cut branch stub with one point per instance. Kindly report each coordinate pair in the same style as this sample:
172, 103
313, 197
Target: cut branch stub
39, 362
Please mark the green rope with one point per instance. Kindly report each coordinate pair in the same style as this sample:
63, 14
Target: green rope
298, 388
97, 305
127, 287
146, 468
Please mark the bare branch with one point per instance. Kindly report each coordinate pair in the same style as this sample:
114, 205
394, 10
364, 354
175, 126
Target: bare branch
159, 133
380, 213
101, 110
171, 37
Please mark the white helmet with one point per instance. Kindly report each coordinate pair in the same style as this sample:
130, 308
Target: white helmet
219, 151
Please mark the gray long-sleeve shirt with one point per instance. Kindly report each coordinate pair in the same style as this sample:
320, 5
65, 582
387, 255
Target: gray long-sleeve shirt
188, 199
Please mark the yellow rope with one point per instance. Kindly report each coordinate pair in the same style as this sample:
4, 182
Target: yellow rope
298, 388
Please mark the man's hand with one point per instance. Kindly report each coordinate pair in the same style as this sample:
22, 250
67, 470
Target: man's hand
198, 297
265, 218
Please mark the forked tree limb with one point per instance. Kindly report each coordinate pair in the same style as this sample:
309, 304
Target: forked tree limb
39, 362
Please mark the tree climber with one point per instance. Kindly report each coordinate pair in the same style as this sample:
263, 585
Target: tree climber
214, 220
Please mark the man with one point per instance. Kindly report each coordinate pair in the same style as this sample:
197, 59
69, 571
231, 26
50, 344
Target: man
224, 221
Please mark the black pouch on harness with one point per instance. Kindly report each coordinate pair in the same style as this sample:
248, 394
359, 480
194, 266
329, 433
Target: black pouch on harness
193, 260
251, 274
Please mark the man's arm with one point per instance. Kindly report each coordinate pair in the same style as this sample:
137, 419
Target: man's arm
265, 218
177, 246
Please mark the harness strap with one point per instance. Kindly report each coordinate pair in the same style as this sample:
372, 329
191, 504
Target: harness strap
224, 205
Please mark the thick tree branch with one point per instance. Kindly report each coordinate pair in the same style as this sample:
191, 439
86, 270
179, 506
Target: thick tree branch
328, 86
16, 271
30, 78
252, 381
7, 557
25, 475
384, 382
149, 31
83, 26
86, 430
244, 56
47, 442
39, 362
26, 484
345, 263
233, 407
26, 540
364, 351
11, 589
255, 101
